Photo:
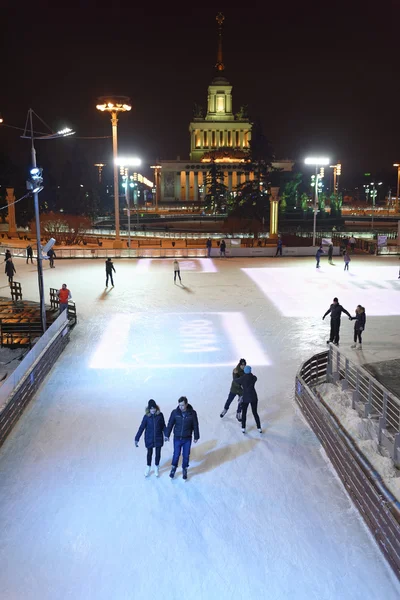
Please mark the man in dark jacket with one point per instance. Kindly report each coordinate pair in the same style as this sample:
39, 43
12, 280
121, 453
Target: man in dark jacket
335, 310
318, 256
247, 381
10, 270
208, 246
109, 269
29, 254
52, 255
184, 422
236, 389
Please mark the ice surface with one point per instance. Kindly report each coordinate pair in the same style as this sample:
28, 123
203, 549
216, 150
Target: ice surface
259, 517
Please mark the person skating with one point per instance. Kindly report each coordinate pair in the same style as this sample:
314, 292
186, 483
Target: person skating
177, 271
153, 426
347, 259
279, 247
330, 254
352, 242
236, 389
359, 326
247, 381
52, 255
335, 310
10, 270
222, 248
109, 271
208, 246
318, 256
29, 254
184, 422
64, 295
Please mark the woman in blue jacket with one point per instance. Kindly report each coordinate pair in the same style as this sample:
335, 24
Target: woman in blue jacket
153, 424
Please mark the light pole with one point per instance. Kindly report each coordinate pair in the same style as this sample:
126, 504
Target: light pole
126, 163
374, 193
100, 168
316, 162
398, 186
115, 105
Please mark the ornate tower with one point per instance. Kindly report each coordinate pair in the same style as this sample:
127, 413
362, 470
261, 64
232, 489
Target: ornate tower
220, 128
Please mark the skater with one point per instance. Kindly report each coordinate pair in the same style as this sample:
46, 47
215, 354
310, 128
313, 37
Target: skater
208, 246
10, 270
7, 255
109, 269
177, 271
347, 259
236, 389
153, 424
330, 254
318, 256
352, 242
29, 254
279, 247
335, 311
52, 255
359, 326
222, 248
247, 381
183, 421
63, 296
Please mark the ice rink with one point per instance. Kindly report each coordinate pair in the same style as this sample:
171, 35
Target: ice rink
261, 516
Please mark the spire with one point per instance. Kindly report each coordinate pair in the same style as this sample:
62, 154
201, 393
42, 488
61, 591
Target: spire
220, 65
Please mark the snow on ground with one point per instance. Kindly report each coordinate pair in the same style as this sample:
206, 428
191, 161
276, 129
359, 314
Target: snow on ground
260, 516
363, 431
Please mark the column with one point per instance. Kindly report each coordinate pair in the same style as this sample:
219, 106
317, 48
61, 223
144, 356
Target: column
177, 187
273, 216
229, 181
187, 186
196, 186
12, 228
241, 138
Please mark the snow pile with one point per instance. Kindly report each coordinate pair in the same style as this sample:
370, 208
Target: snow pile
364, 432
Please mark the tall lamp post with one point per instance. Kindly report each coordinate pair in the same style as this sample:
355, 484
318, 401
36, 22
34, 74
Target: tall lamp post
316, 162
126, 163
374, 193
115, 105
398, 186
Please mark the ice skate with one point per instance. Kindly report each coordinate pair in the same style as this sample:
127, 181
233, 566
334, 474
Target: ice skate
157, 471
184, 473
353, 346
243, 430
223, 413
260, 430
147, 471
359, 347
172, 472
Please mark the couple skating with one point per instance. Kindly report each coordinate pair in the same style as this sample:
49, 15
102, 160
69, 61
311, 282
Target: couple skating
243, 386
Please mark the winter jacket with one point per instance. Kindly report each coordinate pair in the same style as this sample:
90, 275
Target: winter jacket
222, 246
51, 253
7, 255
336, 311
208, 243
10, 269
29, 251
346, 257
184, 423
360, 320
110, 267
247, 381
154, 429
319, 253
235, 387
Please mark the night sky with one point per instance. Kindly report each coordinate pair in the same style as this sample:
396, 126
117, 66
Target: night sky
322, 77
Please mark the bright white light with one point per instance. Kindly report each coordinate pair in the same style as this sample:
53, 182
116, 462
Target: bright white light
128, 161
66, 131
197, 340
317, 161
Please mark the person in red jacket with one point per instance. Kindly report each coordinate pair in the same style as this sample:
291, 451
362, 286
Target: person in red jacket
63, 296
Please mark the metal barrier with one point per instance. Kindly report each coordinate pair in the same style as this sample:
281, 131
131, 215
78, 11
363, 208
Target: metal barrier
370, 398
376, 504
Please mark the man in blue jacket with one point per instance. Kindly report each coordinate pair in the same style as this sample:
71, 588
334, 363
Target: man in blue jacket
183, 421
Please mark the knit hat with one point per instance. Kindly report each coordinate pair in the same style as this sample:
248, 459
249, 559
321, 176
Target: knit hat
151, 404
247, 369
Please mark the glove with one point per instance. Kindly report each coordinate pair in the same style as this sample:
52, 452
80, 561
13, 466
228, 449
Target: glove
195, 441
361, 329
350, 318
323, 318
137, 444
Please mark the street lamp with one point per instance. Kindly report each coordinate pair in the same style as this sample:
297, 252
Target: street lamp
125, 163
318, 161
100, 169
398, 186
115, 105
374, 193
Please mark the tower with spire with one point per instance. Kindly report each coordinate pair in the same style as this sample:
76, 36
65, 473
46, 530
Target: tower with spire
220, 128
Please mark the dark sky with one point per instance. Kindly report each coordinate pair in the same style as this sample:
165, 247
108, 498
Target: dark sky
321, 76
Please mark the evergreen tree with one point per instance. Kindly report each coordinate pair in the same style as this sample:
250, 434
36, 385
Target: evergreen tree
216, 190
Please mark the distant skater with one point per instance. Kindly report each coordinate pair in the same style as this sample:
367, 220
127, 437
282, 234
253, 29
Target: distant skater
52, 255
109, 271
208, 246
347, 259
279, 247
330, 254
359, 326
177, 271
222, 248
335, 310
247, 381
29, 254
10, 270
153, 426
318, 256
236, 389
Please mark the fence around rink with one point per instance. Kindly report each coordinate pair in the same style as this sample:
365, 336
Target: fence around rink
377, 505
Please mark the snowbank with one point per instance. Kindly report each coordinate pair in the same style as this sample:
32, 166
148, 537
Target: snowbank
364, 432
